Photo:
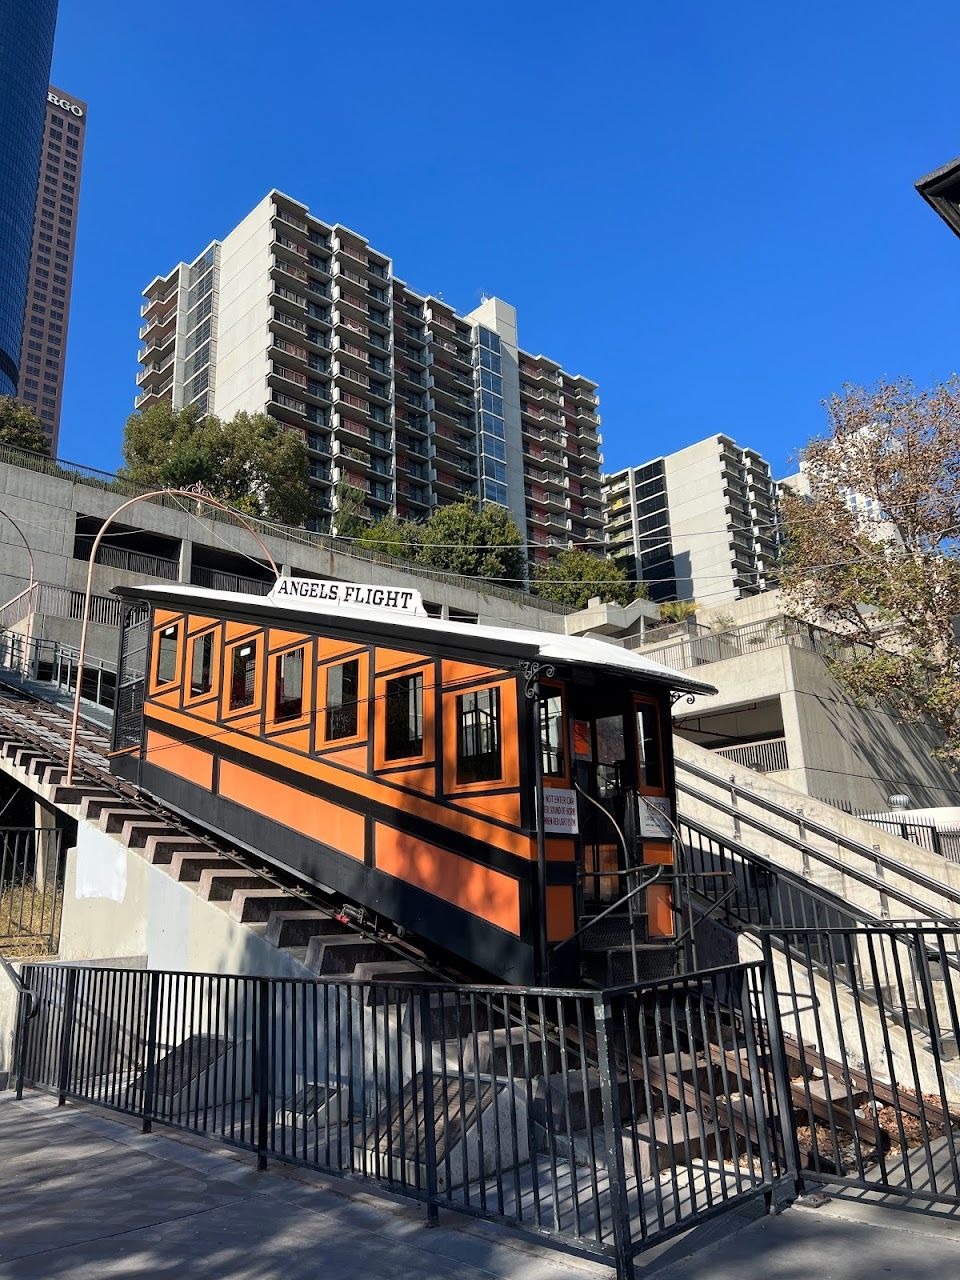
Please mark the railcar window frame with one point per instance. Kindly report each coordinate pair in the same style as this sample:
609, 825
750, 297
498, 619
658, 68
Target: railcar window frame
647, 712
329, 709
164, 634
288, 710
205, 640
553, 693
395, 712
237, 651
490, 768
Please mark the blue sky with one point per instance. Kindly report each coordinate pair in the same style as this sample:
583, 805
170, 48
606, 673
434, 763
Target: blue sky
707, 208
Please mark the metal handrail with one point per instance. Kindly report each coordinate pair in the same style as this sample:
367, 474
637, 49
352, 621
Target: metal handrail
19, 987
872, 853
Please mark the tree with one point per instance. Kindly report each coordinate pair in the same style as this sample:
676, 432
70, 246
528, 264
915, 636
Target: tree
251, 462
575, 576
20, 427
678, 610
873, 551
475, 541
348, 522
392, 537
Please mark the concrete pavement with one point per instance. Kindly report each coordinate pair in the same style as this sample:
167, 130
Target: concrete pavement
85, 1196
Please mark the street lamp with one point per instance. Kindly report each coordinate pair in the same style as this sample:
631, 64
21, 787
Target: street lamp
193, 495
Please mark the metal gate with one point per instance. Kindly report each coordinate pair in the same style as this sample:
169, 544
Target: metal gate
131, 677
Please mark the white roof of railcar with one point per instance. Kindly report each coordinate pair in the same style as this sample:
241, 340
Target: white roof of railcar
584, 651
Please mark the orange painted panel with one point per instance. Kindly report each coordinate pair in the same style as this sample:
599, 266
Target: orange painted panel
295, 740
352, 758
506, 808
328, 649
656, 852
237, 629
483, 892
560, 917
180, 758
560, 850
387, 659
197, 622
422, 779
311, 815
376, 789
659, 914
464, 671
280, 639
163, 617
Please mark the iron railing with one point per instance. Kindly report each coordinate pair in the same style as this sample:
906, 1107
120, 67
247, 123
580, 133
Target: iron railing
769, 756
31, 890
753, 637
938, 837
50, 662
570, 1115
219, 580
140, 562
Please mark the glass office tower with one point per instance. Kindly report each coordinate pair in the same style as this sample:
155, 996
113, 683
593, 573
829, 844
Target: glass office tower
26, 49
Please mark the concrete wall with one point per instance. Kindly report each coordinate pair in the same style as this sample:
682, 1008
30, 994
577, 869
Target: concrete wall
242, 364
116, 904
697, 509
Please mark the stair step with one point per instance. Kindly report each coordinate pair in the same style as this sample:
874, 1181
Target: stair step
111, 820
160, 849
327, 955
248, 905
295, 927
219, 880
135, 833
189, 867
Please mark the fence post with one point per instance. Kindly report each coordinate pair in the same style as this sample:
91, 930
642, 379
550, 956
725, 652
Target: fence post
149, 1100
261, 1069
781, 1071
610, 1100
21, 1024
66, 1036
429, 1108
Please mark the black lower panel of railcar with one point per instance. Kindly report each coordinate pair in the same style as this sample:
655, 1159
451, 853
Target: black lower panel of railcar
429, 918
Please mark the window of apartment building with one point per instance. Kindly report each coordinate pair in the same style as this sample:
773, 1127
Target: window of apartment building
343, 686
403, 736
478, 736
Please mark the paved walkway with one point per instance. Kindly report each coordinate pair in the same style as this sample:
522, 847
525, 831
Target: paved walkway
85, 1196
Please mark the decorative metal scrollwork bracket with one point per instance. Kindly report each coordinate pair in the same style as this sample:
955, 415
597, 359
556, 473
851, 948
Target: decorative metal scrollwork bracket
531, 672
676, 696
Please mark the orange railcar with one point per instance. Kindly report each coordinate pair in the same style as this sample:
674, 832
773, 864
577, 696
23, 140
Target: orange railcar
490, 790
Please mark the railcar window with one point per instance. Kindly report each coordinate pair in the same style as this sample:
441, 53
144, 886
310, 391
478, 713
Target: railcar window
243, 676
167, 655
551, 733
478, 736
343, 685
201, 668
404, 717
648, 740
288, 702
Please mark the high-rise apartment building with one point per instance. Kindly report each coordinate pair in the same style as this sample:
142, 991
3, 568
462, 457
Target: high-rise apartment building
47, 312
397, 395
699, 524
26, 48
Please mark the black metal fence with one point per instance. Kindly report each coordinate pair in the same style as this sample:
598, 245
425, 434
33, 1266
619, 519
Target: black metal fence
602, 1120
31, 890
871, 1034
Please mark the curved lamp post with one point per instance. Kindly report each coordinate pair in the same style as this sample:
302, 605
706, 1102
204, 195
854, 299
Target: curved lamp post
193, 495
23, 538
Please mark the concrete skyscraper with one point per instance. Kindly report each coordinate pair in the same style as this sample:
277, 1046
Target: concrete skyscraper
397, 395
47, 311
